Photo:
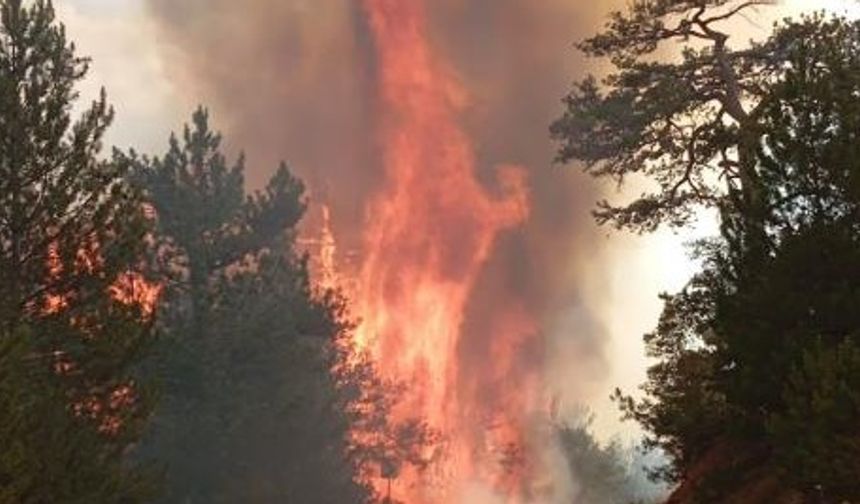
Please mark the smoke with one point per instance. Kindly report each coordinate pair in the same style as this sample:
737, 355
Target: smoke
296, 80
516, 59
287, 81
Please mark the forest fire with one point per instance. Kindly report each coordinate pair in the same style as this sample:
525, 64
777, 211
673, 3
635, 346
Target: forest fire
403, 294
433, 230
130, 288
420, 130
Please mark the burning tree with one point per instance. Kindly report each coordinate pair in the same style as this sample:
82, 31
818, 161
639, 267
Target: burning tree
382, 445
72, 240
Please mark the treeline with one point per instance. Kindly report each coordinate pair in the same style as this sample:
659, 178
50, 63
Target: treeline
755, 393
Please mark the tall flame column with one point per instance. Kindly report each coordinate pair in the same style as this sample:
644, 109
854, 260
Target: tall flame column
432, 229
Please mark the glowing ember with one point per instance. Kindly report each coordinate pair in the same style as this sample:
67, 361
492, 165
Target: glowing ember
133, 289
129, 288
433, 228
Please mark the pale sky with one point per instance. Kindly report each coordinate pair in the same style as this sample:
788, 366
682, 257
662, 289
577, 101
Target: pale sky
123, 45
125, 48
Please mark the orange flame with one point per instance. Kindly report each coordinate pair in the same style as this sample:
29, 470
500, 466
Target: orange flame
433, 229
327, 252
132, 289
129, 288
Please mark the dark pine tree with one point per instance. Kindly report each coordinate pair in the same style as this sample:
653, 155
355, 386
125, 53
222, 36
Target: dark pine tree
251, 411
74, 312
755, 393
754, 396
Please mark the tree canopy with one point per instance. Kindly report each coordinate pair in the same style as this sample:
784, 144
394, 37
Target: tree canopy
75, 304
690, 123
251, 410
754, 392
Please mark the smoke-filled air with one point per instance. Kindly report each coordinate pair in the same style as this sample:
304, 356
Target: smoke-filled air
421, 131
429, 251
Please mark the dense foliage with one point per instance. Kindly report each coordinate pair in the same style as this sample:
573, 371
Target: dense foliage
754, 395
250, 409
74, 316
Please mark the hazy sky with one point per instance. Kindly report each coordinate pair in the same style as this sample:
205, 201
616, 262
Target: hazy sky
128, 60
122, 42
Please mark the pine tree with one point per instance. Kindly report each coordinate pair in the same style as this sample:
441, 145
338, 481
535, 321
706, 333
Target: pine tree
251, 410
754, 393
691, 124
50, 455
74, 307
